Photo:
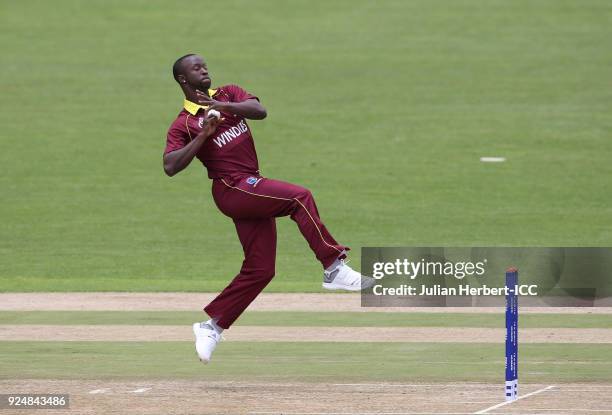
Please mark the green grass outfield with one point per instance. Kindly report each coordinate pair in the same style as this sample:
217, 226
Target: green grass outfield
383, 109
304, 362
320, 361
306, 319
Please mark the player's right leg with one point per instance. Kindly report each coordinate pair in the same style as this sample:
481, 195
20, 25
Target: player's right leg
258, 239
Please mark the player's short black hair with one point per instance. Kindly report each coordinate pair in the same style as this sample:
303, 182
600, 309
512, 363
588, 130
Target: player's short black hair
176, 68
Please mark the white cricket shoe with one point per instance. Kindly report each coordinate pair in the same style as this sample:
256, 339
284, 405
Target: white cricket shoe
344, 277
206, 340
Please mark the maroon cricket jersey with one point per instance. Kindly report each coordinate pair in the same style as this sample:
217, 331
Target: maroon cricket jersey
231, 149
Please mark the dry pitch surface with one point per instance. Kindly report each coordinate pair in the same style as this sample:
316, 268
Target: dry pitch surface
196, 397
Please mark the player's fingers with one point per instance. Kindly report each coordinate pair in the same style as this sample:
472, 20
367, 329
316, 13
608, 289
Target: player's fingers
202, 97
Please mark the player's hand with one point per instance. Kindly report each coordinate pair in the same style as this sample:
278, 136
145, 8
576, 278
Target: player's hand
210, 125
212, 104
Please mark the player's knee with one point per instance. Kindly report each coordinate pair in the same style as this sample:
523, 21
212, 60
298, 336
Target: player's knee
304, 194
268, 273
270, 269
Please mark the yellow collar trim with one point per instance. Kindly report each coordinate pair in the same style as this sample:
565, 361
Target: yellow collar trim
193, 108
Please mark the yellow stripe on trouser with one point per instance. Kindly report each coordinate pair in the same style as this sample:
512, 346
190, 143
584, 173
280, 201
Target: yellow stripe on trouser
283, 198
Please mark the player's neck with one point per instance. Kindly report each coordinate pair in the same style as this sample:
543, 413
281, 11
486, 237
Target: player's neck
191, 94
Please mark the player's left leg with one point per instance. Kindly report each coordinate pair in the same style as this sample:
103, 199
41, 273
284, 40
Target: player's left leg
258, 239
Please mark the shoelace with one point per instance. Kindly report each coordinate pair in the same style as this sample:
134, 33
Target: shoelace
342, 263
356, 282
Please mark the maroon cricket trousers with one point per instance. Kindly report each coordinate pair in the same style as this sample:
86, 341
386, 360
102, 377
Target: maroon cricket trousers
254, 203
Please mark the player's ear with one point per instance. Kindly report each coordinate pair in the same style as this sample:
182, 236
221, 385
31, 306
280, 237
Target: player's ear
181, 79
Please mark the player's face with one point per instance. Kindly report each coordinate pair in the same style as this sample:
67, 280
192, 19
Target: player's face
196, 73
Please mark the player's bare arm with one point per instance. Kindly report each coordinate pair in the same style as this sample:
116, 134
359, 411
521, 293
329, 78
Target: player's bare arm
250, 109
178, 160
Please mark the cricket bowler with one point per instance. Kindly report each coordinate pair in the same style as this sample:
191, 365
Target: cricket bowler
212, 126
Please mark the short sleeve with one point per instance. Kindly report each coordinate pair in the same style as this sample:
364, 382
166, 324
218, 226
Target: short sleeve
238, 94
176, 139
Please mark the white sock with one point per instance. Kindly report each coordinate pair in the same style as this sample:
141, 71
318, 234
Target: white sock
213, 323
336, 263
